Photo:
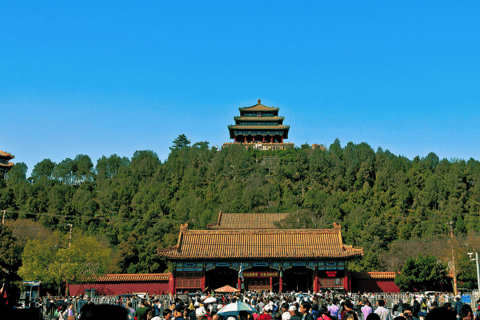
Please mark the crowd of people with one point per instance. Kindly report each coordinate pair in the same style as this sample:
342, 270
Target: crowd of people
264, 306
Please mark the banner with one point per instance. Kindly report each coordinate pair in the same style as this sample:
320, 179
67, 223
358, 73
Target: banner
331, 273
260, 274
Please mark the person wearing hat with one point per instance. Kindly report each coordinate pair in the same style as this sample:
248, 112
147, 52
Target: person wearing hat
293, 313
267, 313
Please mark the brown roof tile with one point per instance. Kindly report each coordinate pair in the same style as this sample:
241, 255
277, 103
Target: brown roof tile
133, 277
374, 275
6, 165
258, 107
6, 155
260, 243
247, 220
279, 127
258, 119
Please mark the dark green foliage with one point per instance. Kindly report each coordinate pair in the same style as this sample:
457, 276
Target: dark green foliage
138, 204
43, 169
17, 174
180, 143
422, 273
9, 255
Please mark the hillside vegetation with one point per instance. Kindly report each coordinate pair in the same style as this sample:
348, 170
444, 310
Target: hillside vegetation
391, 206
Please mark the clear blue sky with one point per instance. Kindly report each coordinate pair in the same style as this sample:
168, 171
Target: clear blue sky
104, 77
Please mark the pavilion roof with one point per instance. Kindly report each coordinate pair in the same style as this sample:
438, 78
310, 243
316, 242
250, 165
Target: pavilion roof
6, 155
247, 220
259, 127
260, 244
258, 119
259, 107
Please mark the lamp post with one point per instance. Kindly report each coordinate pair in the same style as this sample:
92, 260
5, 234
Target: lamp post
470, 254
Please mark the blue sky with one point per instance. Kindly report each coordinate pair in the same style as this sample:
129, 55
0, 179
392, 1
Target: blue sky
104, 77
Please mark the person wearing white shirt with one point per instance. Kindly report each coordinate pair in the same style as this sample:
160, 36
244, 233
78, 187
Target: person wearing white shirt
383, 312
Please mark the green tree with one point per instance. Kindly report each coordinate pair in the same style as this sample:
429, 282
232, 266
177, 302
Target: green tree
180, 142
84, 167
46, 260
9, 254
17, 173
43, 169
422, 273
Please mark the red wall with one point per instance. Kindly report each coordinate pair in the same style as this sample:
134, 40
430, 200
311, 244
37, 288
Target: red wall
373, 285
116, 288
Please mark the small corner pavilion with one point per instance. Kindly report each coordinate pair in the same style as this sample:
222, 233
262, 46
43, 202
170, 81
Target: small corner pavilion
250, 246
5, 165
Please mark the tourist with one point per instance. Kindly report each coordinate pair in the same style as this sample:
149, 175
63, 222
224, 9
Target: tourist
177, 312
441, 314
350, 315
141, 313
167, 314
367, 309
334, 308
373, 316
478, 308
458, 306
347, 306
131, 311
383, 312
285, 314
466, 313
324, 314
304, 310
293, 313
267, 313
315, 312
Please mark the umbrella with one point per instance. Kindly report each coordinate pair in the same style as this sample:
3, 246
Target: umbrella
226, 289
233, 309
210, 300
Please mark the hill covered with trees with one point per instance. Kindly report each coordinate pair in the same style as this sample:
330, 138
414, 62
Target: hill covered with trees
391, 206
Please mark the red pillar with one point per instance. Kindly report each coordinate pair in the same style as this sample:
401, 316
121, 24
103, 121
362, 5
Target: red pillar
171, 282
245, 140
263, 139
271, 139
253, 138
280, 284
315, 280
282, 139
234, 138
203, 280
239, 283
271, 283
346, 281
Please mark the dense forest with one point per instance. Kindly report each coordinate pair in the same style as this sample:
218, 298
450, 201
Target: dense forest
391, 206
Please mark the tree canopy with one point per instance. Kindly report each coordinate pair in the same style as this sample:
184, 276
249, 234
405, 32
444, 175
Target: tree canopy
384, 202
422, 273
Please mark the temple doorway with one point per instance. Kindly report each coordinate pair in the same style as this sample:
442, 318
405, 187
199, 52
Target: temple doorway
298, 279
221, 276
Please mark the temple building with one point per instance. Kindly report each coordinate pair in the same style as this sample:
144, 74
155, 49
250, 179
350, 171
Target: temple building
260, 125
5, 165
248, 251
